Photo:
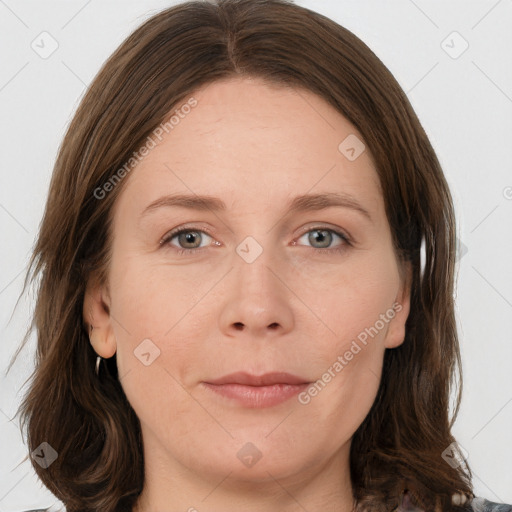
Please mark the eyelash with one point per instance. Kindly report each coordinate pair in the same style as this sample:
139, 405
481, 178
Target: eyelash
166, 240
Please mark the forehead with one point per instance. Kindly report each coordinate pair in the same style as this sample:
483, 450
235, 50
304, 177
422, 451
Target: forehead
246, 140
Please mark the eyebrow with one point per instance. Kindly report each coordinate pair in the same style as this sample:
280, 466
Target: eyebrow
302, 203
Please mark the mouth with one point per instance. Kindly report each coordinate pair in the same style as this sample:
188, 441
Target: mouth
257, 391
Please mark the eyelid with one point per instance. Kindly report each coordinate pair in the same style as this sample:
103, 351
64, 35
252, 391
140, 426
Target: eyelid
305, 229
185, 228
326, 227
345, 238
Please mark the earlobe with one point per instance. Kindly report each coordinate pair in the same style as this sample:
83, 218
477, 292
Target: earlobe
96, 316
396, 331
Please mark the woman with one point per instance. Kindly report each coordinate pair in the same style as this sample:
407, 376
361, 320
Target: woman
197, 350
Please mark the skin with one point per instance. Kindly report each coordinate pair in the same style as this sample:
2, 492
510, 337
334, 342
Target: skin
294, 308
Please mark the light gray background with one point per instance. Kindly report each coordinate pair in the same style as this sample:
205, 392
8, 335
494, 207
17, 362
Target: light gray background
464, 103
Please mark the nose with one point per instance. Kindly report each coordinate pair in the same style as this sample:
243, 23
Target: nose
257, 300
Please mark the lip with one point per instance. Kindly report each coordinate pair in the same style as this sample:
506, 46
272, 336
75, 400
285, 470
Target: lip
258, 391
267, 379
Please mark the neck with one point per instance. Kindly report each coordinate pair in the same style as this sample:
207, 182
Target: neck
172, 487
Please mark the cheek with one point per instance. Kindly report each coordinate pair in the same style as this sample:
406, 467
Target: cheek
346, 300
348, 375
150, 295
353, 310
155, 312
157, 341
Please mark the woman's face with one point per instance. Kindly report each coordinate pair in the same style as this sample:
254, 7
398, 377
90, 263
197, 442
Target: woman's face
259, 288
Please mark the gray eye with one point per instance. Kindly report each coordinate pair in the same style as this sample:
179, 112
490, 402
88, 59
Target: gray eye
321, 238
189, 238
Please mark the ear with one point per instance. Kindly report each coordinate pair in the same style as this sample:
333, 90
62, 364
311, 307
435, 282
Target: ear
96, 315
396, 331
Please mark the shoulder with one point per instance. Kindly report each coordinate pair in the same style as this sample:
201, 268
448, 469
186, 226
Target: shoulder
53, 508
49, 510
478, 504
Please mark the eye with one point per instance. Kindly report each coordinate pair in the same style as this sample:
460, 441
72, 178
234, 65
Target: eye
187, 238
323, 238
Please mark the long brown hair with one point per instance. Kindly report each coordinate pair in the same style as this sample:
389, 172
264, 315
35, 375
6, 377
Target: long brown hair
89, 421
